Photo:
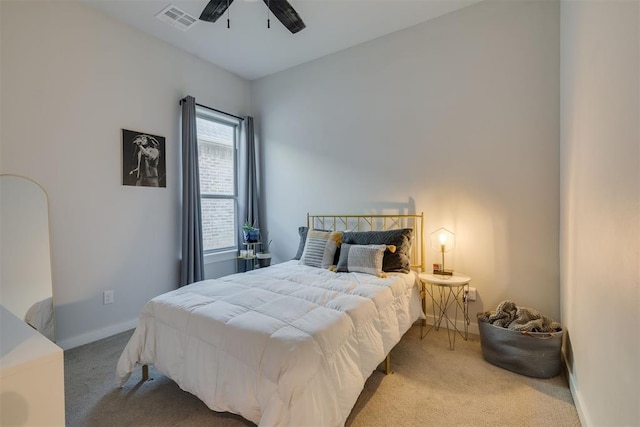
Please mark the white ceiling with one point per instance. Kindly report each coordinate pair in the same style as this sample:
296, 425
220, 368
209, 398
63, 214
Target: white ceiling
251, 50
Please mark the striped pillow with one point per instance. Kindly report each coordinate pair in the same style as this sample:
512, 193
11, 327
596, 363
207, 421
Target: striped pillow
362, 259
320, 248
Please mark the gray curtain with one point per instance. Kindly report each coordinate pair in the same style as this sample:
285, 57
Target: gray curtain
192, 262
248, 200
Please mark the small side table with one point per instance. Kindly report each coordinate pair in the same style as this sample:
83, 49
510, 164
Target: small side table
250, 258
453, 290
249, 263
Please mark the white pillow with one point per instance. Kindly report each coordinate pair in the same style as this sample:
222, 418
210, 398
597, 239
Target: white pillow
320, 248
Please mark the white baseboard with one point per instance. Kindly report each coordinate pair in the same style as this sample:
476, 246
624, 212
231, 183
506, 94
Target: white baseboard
575, 393
473, 327
96, 335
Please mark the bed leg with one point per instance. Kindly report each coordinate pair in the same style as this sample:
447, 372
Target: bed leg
145, 372
387, 364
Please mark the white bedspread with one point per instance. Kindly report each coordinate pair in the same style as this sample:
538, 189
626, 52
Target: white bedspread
41, 318
288, 345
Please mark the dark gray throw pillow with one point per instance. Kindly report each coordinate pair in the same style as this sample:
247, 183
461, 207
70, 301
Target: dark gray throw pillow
401, 239
302, 231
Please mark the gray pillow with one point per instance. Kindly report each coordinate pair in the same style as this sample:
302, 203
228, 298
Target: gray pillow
361, 259
302, 231
400, 238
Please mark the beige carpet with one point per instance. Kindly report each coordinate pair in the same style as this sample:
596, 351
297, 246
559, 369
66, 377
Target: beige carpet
430, 386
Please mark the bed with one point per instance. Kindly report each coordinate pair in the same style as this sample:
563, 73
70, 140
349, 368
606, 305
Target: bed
294, 343
41, 317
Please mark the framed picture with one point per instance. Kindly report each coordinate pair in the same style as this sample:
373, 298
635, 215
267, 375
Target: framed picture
143, 159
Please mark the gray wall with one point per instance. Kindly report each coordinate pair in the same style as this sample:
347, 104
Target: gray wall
457, 117
600, 247
71, 80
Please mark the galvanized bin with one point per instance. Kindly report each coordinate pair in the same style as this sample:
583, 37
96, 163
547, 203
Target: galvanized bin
534, 354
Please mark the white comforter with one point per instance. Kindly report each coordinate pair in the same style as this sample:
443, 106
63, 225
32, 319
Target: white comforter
288, 345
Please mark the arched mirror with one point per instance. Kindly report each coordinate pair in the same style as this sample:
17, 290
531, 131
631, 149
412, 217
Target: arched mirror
25, 259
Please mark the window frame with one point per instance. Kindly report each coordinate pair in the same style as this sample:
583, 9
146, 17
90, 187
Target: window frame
204, 113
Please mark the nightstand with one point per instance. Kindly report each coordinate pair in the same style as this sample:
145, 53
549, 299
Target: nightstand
452, 291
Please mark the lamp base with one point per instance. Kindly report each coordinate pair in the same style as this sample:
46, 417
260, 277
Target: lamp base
443, 272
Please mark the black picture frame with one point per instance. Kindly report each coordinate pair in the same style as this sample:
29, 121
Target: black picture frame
143, 159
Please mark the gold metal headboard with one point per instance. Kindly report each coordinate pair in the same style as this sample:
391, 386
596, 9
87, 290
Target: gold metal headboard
376, 222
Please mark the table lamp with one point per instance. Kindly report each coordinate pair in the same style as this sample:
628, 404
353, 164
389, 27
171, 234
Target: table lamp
443, 241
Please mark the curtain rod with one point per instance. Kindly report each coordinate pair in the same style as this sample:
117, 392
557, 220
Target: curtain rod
213, 109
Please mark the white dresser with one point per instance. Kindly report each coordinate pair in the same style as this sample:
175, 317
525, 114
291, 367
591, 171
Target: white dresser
31, 376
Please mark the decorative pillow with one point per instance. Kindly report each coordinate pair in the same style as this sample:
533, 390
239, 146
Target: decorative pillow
320, 247
302, 231
400, 238
362, 259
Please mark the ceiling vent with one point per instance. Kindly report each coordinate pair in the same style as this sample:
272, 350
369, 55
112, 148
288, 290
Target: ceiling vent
176, 18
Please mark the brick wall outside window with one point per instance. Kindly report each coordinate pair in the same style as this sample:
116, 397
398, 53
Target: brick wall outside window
216, 162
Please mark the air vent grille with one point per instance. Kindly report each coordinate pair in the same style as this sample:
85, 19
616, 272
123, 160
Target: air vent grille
176, 18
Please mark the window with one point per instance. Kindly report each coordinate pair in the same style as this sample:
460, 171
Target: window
217, 148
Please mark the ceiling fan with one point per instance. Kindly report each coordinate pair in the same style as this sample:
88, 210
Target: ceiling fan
280, 8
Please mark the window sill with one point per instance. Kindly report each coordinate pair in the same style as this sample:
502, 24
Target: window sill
220, 256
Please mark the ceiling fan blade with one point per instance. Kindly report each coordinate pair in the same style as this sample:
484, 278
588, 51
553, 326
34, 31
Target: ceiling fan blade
286, 14
214, 10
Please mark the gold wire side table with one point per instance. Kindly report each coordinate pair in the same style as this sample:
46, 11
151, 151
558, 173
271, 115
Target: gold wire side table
452, 292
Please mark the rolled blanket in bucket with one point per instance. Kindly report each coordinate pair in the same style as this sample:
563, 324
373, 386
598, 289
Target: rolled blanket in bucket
508, 315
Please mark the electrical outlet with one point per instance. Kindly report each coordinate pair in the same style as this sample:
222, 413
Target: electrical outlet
471, 294
107, 297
